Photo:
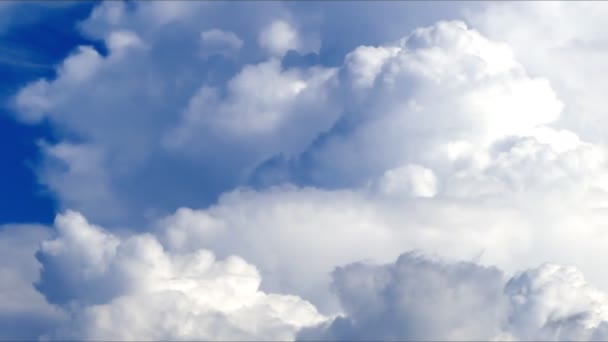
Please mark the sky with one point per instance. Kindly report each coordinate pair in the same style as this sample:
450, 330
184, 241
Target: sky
303, 170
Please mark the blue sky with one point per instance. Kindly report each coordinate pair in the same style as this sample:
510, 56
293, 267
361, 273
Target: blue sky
31, 46
303, 170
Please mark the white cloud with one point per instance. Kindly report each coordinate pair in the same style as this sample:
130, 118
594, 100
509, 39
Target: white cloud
402, 104
412, 180
131, 288
498, 201
237, 110
24, 314
418, 298
218, 41
571, 55
75, 172
262, 99
444, 163
279, 37
555, 302
445, 141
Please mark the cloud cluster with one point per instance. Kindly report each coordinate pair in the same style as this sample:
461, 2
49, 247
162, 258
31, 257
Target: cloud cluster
454, 139
207, 100
421, 298
445, 138
571, 55
131, 288
408, 102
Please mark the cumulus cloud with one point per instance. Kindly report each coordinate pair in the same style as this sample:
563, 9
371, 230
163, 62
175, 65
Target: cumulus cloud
195, 103
404, 103
447, 140
218, 41
24, 313
504, 213
263, 103
441, 129
571, 55
408, 180
279, 37
131, 288
421, 298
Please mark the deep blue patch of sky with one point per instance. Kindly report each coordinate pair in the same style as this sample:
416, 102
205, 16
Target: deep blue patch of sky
38, 36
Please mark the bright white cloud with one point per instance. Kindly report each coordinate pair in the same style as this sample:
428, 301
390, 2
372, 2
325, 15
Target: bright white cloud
449, 141
404, 103
571, 55
504, 213
418, 298
442, 129
409, 180
263, 102
279, 37
131, 288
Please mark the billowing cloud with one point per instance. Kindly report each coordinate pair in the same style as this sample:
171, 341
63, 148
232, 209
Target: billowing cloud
249, 138
421, 298
218, 41
279, 37
571, 55
496, 214
406, 102
441, 129
131, 288
24, 313
447, 139
197, 92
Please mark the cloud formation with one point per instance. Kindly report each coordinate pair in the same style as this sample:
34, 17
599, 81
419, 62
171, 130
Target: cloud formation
222, 105
408, 102
421, 298
570, 55
131, 288
24, 313
187, 136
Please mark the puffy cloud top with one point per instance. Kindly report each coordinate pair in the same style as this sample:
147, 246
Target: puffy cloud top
247, 173
418, 298
131, 288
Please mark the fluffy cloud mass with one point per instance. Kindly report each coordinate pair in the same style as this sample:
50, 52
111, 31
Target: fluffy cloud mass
258, 178
418, 298
131, 288
24, 314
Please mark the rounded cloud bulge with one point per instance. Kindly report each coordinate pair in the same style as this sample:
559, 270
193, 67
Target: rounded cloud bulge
131, 288
221, 175
134, 287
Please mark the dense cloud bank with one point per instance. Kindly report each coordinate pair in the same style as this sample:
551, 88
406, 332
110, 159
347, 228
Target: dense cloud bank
257, 178
131, 288
111, 287
420, 298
